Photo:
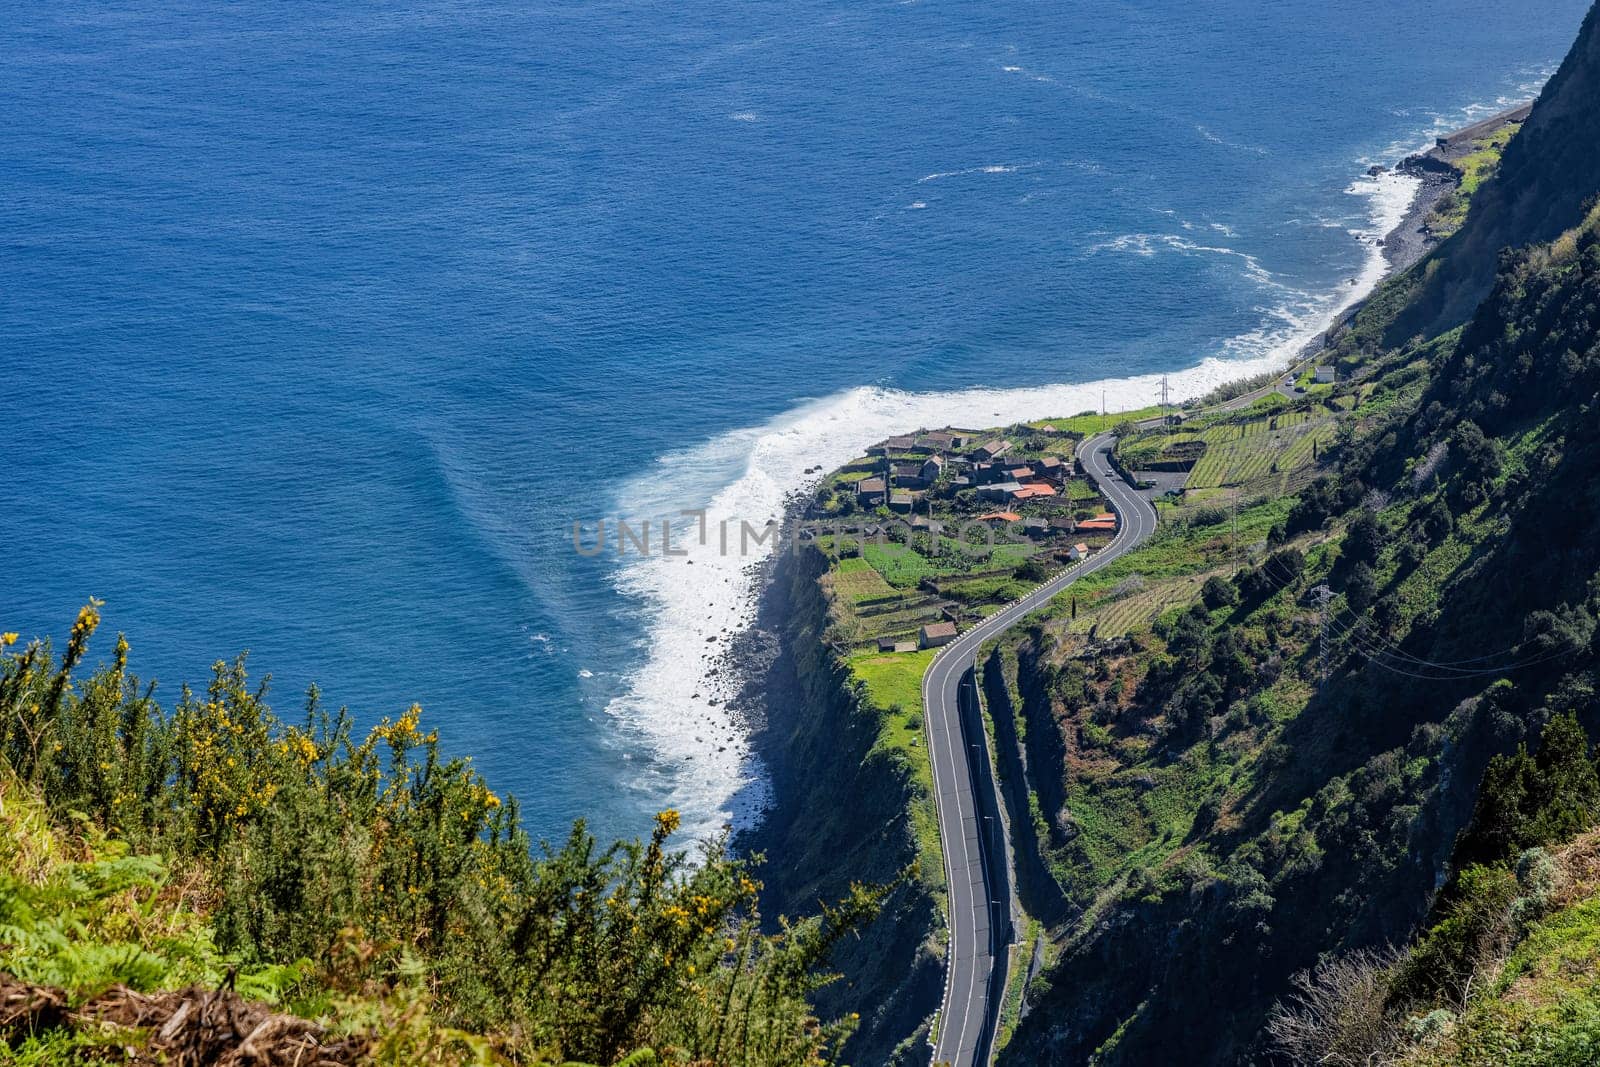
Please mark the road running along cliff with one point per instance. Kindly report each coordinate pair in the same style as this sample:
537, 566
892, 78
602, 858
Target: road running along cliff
975, 868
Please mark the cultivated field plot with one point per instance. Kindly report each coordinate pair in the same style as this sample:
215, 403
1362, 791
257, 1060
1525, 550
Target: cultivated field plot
1261, 454
1114, 616
855, 580
894, 622
904, 567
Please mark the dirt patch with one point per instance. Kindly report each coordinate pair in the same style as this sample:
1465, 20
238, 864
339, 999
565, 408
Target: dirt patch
183, 1028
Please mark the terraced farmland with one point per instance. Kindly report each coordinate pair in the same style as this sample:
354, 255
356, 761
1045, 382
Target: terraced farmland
1299, 452
904, 567
1113, 618
1261, 455
855, 580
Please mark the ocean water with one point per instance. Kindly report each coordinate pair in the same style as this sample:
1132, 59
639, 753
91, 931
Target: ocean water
320, 324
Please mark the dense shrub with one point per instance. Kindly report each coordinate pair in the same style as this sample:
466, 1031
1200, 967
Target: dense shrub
1526, 800
1218, 592
317, 842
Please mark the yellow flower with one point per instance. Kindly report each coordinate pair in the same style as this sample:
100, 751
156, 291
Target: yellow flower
88, 619
667, 821
305, 748
8, 638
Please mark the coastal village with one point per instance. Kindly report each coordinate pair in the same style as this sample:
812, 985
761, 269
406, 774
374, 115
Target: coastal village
933, 529
930, 532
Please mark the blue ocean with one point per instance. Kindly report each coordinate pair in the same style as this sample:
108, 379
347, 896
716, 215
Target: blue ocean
321, 324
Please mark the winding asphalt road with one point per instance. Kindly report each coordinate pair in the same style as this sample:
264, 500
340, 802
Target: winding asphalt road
979, 923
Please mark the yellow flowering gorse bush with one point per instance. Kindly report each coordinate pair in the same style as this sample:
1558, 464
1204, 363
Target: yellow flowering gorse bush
315, 837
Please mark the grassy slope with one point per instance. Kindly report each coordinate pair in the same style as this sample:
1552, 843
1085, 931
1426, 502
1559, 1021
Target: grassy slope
1282, 775
1475, 168
893, 687
1091, 423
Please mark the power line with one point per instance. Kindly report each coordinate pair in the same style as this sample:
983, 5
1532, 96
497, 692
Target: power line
1377, 656
1378, 651
1397, 652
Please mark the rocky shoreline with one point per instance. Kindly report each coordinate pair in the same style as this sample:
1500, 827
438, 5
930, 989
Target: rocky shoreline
1435, 168
1406, 244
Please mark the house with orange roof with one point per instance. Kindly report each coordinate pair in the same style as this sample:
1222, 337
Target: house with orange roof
1032, 490
1104, 521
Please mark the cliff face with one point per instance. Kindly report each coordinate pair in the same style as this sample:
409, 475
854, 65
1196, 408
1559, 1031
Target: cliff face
840, 816
1223, 807
1549, 172
1027, 777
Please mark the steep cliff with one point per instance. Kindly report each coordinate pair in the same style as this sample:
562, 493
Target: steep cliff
1277, 775
1548, 174
842, 815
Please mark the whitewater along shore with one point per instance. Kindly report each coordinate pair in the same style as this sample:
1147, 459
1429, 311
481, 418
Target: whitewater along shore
1437, 169
838, 809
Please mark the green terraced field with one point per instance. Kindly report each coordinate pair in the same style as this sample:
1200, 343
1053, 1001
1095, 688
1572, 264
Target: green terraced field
1249, 460
1298, 454
1085, 425
1113, 618
855, 580
903, 567
895, 622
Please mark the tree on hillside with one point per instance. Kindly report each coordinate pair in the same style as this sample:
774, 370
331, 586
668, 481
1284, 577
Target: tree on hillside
1218, 592
1534, 800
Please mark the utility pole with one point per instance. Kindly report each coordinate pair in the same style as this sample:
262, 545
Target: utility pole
1322, 594
1166, 418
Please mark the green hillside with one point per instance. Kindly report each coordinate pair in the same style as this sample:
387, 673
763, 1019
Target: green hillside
1320, 790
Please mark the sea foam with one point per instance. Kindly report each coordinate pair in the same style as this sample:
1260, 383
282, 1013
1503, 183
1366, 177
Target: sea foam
675, 705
